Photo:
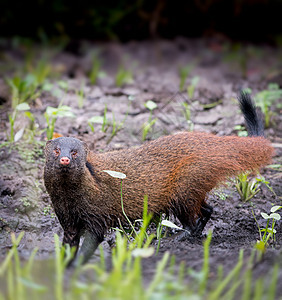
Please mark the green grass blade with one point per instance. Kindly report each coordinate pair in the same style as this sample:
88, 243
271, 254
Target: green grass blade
218, 291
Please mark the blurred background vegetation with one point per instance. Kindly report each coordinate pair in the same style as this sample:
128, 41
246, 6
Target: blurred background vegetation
123, 20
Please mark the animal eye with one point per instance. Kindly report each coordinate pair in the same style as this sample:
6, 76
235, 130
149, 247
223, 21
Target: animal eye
57, 151
74, 153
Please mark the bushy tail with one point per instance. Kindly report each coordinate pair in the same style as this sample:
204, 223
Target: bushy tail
253, 118
223, 157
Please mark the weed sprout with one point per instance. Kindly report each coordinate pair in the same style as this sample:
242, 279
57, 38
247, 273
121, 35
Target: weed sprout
147, 126
12, 118
266, 98
191, 87
80, 94
52, 114
95, 70
184, 73
123, 76
267, 233
23, 89
246, 187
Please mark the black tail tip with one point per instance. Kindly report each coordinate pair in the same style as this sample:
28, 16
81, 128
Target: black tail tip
253, 118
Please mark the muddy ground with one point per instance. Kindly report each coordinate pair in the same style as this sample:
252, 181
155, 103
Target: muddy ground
24, 203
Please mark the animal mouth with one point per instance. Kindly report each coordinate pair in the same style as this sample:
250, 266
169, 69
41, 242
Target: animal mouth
65, 168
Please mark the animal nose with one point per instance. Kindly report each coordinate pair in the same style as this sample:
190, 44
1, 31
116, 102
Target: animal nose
64, 161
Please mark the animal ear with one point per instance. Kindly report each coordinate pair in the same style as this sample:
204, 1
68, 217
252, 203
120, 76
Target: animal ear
47, 147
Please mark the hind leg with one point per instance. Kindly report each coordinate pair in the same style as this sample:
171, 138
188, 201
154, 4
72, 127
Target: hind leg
188, 225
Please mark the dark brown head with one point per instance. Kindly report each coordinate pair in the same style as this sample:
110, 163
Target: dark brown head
66, 156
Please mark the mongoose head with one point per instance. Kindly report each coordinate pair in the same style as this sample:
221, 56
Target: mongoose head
66, 156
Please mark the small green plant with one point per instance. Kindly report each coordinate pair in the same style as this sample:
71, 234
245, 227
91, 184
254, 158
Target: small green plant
268, 233
52, 89
12, 118
212, 104
32, 130
160, 224
121, 176
266, 98
186, 111
26, 88
159, 231
187, 115
64, 85
125, 277
191, 87
139, 238
241, 130
95, 70
220, 194
47, 210
99, 120
95, 120
184, 73
41, 71
52, 114
246, 187
116, 127
123, 76
80, 96
277, 167
147, 126
23, 89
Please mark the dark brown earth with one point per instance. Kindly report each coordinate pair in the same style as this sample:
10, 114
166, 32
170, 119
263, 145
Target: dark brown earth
24, 203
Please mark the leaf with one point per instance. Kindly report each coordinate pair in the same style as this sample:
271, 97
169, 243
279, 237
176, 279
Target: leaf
243, 133
260, 245
102, 74
33, 285
29, 115
96, 119
57, 93
23, 106
275, 216
143, 252
195, 80
51, 110
47, 86
151, 105
247, 90
115, 174
269, 230
265, 216
275, 208
170, 224
19, 135
63, 84
65, 111
61, 111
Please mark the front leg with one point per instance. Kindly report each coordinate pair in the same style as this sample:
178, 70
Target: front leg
193, 230
206, 212
89, 245
72, 237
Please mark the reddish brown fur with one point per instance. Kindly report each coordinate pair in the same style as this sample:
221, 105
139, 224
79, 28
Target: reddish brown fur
176, 172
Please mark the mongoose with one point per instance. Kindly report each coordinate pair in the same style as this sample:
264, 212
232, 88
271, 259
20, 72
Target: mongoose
176, 172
